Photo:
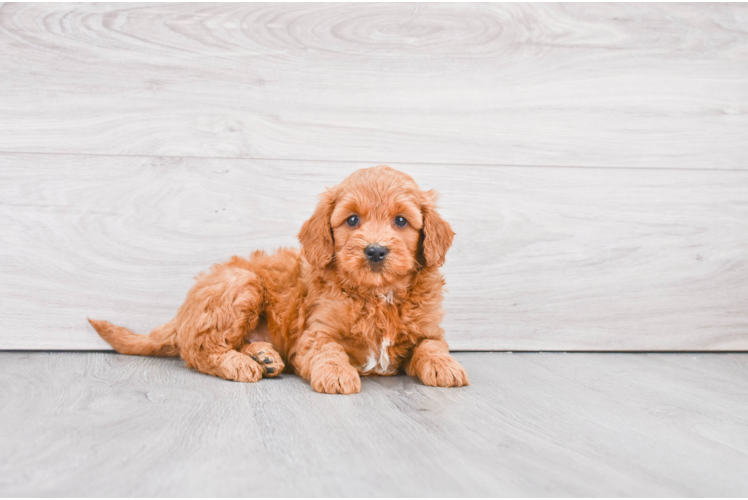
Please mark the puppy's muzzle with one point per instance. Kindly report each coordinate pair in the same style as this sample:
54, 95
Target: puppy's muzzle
376, 253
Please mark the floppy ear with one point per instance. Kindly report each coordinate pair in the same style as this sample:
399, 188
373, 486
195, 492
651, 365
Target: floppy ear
317, 244
437, 234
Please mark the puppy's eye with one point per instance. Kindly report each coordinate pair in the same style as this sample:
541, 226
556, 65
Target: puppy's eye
400, 221
352, 220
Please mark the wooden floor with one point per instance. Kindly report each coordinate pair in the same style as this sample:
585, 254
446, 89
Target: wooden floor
530, 424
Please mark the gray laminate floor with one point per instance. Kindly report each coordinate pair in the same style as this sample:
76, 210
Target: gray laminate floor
530, 424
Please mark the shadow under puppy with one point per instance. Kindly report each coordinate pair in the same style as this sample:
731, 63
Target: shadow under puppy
362, 297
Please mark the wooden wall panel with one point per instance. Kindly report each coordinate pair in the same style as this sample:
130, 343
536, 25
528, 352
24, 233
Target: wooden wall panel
599, 85
544, 259
592, 158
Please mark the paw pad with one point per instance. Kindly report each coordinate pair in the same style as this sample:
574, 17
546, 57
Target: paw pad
268, 359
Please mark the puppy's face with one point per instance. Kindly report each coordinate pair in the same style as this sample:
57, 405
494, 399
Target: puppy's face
378, 227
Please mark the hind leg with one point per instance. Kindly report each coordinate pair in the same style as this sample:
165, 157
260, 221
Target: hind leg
266, 356
219, 311
231, 365
223, 360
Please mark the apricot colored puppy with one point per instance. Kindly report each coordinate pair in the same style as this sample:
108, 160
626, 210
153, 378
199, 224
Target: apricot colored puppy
363, 297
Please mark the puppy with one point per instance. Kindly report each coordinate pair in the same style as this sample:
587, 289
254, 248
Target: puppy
363, 297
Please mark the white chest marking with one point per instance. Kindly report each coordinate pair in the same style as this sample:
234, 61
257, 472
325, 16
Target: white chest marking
389, 297
378, 364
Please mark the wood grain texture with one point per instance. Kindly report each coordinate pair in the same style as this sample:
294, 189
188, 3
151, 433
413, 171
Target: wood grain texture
634, 85
544, 258
640, 425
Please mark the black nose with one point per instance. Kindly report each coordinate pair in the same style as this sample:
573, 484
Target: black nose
376, 253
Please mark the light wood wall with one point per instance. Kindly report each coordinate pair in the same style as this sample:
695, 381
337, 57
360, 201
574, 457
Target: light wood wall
592, 158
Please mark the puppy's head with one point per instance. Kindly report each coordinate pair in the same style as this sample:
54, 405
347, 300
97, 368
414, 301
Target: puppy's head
378, 227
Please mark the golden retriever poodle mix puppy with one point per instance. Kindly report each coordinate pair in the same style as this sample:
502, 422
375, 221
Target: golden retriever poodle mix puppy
362, 297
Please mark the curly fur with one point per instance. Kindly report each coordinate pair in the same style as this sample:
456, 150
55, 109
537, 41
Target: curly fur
326, 313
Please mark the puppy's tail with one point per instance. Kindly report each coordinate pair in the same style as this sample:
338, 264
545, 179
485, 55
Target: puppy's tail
160, 342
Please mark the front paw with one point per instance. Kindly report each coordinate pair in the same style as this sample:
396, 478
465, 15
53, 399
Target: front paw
335, 378
441, 371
